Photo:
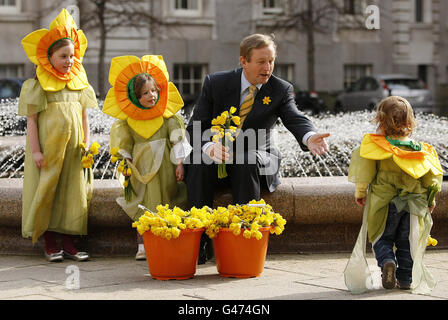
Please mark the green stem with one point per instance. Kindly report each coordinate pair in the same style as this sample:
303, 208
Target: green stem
222, 172
128, 191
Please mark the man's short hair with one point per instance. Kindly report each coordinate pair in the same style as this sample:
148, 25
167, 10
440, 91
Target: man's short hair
256, 41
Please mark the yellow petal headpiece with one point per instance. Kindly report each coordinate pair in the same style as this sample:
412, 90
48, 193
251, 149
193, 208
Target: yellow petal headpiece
118, 103
414, 163
38, 43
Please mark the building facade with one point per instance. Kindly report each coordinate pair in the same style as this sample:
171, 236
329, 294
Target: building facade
197, 37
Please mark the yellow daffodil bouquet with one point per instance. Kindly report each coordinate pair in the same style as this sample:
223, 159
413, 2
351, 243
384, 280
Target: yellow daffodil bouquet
224, 131
247, 218
123, 168
168, 223
87, 158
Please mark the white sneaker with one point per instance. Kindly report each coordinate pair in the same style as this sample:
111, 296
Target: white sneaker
54, 257
141, 255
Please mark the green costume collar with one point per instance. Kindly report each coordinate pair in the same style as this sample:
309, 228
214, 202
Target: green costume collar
410, 144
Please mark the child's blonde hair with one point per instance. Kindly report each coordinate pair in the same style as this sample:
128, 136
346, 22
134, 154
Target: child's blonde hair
395, 116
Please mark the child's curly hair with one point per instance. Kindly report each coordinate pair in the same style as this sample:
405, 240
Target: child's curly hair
395, 116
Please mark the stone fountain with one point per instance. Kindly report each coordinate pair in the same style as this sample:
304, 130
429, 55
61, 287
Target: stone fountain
315, 196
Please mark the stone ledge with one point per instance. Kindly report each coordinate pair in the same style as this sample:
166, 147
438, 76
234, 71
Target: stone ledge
320, 212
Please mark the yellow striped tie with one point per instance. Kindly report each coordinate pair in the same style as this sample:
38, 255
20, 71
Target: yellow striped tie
247, 104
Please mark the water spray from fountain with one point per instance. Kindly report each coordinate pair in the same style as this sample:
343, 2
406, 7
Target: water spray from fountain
346, 131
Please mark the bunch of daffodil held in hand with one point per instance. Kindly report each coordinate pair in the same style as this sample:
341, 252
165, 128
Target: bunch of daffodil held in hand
168, 223
123, 168
224, 132
247, 218
87, 158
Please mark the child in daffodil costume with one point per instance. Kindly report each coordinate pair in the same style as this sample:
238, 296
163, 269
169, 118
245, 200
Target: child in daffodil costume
55, 198
396, 179
149, 135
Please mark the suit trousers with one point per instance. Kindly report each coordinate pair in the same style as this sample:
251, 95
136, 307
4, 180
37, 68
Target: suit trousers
202, 182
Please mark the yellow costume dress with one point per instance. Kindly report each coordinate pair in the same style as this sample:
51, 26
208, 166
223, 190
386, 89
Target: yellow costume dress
392, 174
55, 197
153, 138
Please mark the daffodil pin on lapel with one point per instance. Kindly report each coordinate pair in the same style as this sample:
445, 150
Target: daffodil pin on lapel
266, 100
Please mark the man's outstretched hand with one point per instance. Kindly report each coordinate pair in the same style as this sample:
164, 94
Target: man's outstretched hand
317, 144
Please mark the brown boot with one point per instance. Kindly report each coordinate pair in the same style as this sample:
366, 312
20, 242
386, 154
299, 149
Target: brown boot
388, 276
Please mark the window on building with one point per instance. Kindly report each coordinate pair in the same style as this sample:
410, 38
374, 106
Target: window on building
423, 72
8, 3
419, 10
11, 71
354, 7
349, 6
284, 71
352, 72
186, 4
188, 78
187, 7
423, 11
9, 6
272, 7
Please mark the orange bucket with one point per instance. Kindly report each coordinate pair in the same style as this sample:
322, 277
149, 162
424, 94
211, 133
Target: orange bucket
239, 257
175, 258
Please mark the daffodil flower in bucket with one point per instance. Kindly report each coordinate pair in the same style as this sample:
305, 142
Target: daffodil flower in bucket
169, 223
171, 238
247, 218
240, 235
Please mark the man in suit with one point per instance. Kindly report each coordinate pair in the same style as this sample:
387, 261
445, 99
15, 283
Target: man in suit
260, 99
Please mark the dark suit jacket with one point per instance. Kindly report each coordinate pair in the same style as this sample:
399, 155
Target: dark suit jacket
221, 90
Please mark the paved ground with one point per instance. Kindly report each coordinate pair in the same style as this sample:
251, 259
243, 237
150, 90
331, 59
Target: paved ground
285, 277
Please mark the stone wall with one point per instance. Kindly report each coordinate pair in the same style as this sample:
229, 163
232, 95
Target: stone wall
321, 217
